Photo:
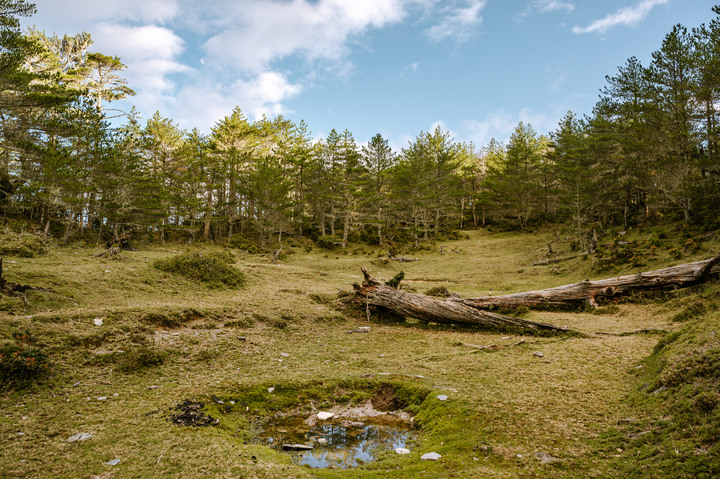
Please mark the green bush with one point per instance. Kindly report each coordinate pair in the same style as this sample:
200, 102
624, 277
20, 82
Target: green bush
20, 365
329, 242
213, 268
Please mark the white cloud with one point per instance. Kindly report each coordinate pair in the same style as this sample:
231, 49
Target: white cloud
545, 6
78, 15
625, 16
202, 104
500, 124
255, 33
150, 53
459, 23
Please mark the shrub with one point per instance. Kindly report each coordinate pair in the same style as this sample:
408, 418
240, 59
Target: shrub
329, 242
20, 365
213, 268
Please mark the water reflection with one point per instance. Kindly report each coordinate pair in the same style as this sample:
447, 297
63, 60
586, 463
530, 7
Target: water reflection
337, 443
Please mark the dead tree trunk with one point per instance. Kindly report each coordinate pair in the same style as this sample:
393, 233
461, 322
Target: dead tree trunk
578, 295
427, 308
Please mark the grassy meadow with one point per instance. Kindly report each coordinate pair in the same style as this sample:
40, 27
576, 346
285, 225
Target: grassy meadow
633, 396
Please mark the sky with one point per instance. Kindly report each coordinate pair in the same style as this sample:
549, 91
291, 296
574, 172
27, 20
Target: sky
395, 67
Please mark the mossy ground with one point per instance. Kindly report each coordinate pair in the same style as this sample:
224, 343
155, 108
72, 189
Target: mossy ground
165, 338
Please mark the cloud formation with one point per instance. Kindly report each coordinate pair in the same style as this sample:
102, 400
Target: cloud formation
546, 6
458, 23
254, 34
625, 16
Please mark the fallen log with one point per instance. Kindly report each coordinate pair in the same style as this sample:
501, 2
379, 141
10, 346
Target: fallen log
437, 310
579, 295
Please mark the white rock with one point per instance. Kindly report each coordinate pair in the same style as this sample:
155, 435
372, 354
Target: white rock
101, 398
98, 321
430, 456
402, 450
271, 390
538, 354
442, 397
81, 436
323, 416
284, 354
322, 440
114, 462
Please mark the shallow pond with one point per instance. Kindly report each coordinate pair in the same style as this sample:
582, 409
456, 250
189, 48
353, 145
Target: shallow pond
339, 443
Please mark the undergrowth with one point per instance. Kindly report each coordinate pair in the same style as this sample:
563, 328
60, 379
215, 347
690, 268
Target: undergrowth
212, 268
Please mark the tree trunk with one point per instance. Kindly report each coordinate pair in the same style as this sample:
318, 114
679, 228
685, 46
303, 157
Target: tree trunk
471, 311
428, 308
578, 295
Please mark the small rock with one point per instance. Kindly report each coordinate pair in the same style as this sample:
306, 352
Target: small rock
430, 456
322, 440
538, 354
98, 321
506, 337
101, 398
402, 450
217, 399
114, 462
271, 390
324, 416
116, 394
81, 436
296, 447
285, 354
242, 338
546, 458
153, 387
442, 397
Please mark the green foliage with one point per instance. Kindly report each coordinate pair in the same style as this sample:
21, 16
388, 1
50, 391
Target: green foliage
20, 365
329, 242
213, 268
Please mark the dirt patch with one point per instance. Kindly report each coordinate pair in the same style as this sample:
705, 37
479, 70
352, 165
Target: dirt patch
191, 413
385, 399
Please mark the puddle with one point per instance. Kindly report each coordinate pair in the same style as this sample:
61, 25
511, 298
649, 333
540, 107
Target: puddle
338, 443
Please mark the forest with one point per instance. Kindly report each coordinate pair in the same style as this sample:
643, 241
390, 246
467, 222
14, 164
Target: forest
75, 168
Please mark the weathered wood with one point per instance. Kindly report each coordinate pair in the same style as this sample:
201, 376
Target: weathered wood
437, 310
578, 295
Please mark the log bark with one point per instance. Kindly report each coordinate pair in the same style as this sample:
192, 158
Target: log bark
579, 295
445, 311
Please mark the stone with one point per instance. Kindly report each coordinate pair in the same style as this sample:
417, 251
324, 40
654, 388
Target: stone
430, 456
98, 321
402, 450
101, 398
284, 354
114, 462
271, 390
324, 416
297, 447
538, 354
322, 440
546, 458
442, 397
81, 436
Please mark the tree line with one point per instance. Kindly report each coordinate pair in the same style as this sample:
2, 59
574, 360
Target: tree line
648, 152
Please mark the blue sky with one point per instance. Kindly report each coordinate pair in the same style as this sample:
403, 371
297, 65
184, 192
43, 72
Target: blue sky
395, 67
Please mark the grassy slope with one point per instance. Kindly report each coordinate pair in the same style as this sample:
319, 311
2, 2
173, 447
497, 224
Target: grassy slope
505, 406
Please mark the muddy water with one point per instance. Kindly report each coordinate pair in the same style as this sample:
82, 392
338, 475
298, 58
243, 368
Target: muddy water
339, 443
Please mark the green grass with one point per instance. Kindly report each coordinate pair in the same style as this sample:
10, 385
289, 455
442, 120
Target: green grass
166, 338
